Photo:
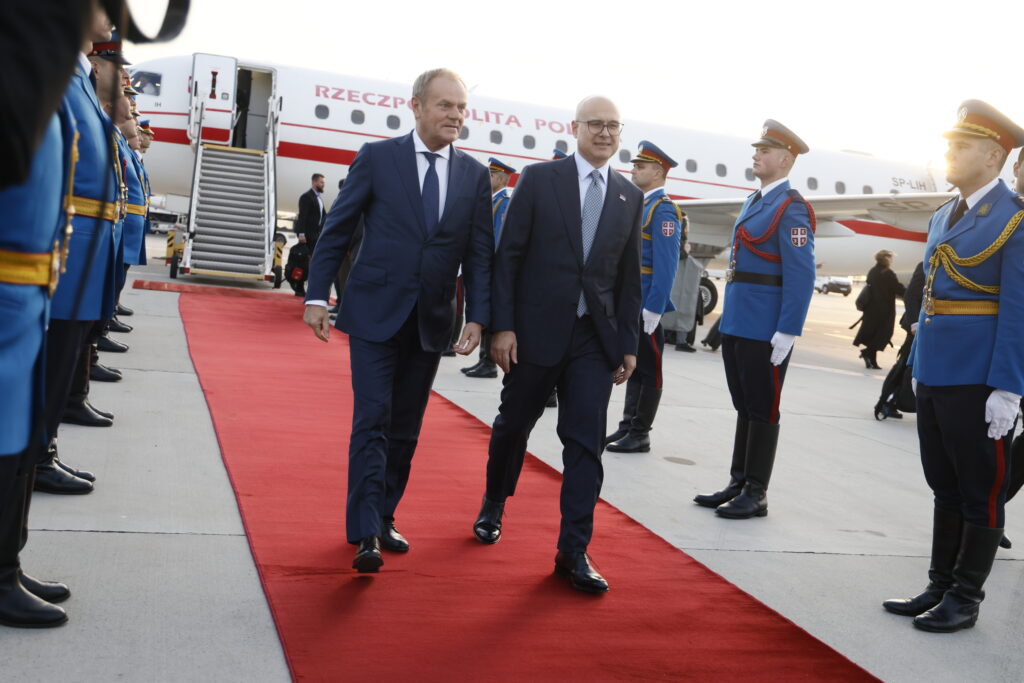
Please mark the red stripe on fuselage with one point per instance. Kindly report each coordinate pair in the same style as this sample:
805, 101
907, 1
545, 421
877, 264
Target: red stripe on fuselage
884, 230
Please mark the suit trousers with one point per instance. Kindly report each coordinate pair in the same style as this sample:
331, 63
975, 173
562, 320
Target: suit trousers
754, 383
65, 341
967, 471
584, 381
391, 383
650, 351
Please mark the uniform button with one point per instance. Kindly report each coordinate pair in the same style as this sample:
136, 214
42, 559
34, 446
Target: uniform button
927, 321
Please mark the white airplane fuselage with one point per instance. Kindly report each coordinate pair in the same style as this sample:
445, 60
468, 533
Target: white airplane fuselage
326, 117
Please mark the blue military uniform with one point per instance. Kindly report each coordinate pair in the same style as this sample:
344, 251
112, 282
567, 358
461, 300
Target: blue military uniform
661, 230
968, 358
770, 283
557, 154
500, 199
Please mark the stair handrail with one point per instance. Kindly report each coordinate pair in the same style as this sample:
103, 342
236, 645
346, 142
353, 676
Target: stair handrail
195, 124
270, 186
193, 205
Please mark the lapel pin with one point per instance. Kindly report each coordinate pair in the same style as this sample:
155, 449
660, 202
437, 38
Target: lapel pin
622, 197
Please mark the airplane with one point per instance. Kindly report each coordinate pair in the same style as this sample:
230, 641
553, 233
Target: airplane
316, 122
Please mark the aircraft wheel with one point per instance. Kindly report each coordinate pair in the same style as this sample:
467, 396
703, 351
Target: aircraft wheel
174, 266
708, 295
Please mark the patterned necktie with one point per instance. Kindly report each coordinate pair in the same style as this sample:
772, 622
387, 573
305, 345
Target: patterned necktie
431, 191
958, 212
591, 216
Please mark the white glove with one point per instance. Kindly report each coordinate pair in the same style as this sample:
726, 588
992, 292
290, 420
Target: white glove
782, 343
651, 320
1000, 412
913, 328
913, 385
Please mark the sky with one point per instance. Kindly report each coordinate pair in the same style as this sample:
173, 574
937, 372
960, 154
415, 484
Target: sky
884, 78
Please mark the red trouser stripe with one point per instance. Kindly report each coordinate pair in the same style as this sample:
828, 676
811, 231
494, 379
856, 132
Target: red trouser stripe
997, 484
778, 394
657, 361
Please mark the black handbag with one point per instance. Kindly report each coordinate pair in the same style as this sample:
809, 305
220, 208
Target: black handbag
864, 298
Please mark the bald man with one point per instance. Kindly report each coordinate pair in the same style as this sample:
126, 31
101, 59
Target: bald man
565, 304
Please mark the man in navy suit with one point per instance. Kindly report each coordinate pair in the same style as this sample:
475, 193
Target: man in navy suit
426, 211
566, 312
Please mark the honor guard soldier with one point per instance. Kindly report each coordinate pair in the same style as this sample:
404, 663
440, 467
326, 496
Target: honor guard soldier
661, 231
968, 364
33, 249
85, 294
557, 154
770, 283
500, 175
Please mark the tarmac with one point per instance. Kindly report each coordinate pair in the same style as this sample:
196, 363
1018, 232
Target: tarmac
164, 586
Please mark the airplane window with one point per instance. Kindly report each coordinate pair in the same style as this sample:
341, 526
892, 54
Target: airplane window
625, 156
691, 165
720, 170
840, 187
146, 82
812, 183
496, 137
321, 111
562, 146
358, 116
868, 190
464, 133
394, 122
529, 142
749, 173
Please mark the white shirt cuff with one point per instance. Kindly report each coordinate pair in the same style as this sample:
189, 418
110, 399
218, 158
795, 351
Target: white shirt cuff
317, 302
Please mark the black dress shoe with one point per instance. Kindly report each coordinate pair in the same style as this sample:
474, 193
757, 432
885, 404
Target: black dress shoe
919, 604
487, 527
101, 373
53, 479
471, 368
368, 559
115, 325
390, 539
96, 410
631, 443
83, 414
1005, 543
576, 567
483, 370
105, 343
685, 347
21, 609
50, 591
752, 502
124, 310
713, 500
81, 474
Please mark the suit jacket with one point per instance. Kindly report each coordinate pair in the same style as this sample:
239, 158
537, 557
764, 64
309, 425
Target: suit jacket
757, 311
539, 269
310, 218
976, 349
400, 265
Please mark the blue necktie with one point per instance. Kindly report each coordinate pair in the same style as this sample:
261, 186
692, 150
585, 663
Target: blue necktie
431, 192
592, 203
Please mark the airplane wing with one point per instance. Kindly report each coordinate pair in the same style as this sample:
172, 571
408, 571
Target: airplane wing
711, 220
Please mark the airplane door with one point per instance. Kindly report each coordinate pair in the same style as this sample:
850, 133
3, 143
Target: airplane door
213, 94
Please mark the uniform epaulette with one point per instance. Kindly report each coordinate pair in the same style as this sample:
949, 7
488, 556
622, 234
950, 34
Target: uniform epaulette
1020, 200
795, 194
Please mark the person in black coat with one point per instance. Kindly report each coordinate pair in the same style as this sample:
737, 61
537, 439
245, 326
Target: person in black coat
311, 213
880, 313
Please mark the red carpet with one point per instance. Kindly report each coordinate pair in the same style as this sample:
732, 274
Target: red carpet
451, 609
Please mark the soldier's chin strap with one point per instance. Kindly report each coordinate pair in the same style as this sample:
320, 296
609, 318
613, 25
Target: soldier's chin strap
172, 25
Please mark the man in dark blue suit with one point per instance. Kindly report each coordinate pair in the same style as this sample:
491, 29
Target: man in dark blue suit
566, 311
426, 211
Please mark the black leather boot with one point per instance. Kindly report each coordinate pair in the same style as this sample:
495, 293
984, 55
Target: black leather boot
105, 343
753, 500
124, 310
55, 457
638, 440
947, 529
18, 607
78, 411
961, 603
485, 369
115, 325
736, 476
50, 477
471, 368
628, 412
487, 527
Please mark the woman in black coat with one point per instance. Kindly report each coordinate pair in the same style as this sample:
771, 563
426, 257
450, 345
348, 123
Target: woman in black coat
880, 313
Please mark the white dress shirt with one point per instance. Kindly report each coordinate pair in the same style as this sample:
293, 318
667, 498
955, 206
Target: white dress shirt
440, 165
980, 194
84, 62
320, 201
584, 169
771, 186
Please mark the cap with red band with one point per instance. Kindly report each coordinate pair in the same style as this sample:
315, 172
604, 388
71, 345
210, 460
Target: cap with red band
981, 120
774, 134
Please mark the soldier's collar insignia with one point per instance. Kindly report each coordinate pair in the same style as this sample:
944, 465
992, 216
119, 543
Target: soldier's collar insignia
984, 209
